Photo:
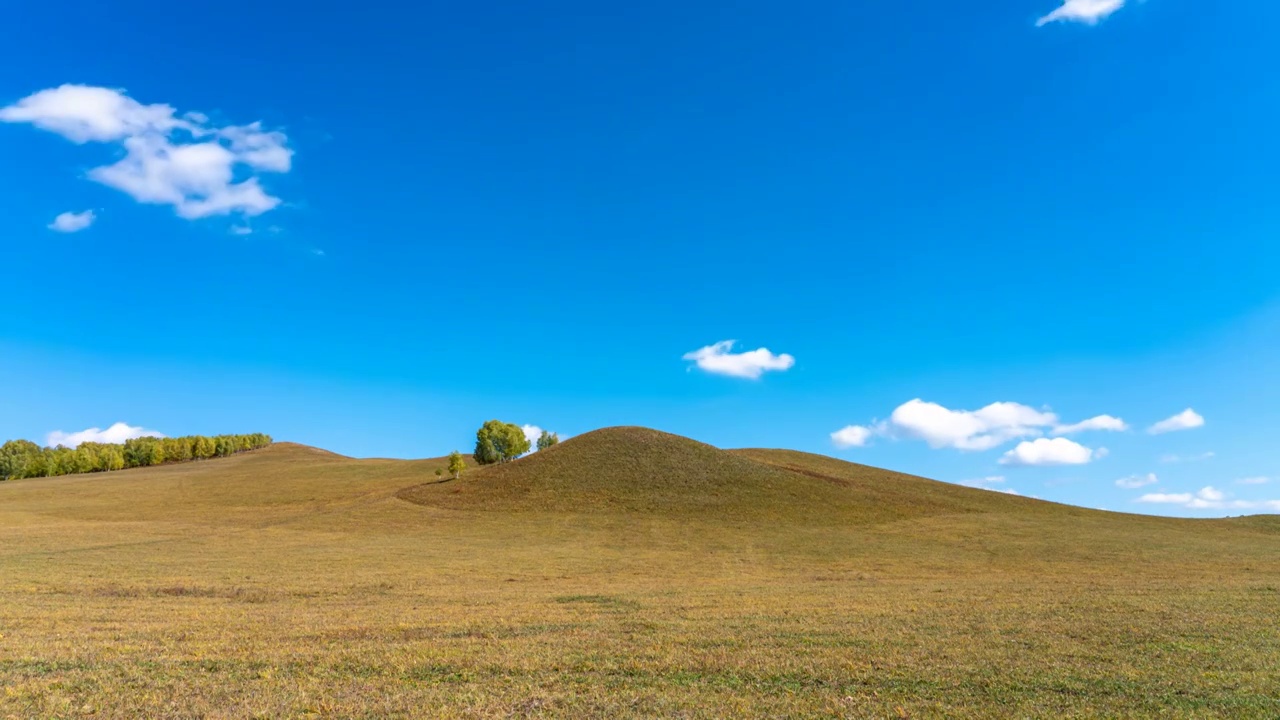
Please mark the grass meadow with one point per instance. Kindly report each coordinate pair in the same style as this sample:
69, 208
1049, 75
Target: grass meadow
623, 575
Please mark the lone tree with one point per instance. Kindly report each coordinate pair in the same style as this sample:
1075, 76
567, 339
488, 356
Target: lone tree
547, 439
456, 465
499, 442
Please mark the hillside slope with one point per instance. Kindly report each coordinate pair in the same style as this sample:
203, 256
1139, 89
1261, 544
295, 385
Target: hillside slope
283, 480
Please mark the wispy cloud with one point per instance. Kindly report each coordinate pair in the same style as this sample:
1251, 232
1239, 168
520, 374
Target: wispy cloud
1133, 482
1258, 480
184, 161
71, 222
990, 483
719, 359
1102, 422
1173, 458
117, 433
1186, 420
1083, 11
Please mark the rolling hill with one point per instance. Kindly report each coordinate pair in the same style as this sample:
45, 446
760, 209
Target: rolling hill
624, 573
638, 470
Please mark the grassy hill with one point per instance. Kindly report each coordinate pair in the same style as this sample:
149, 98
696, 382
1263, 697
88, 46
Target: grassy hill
637, 470
624, 573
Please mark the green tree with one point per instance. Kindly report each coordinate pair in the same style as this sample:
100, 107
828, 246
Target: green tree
111, 458
16, 456
547, 439
456, 465
203, 448
42, 464
176, 449
84, 460
226, 445
486, 452
499, 442
143, 452
90, 456
63, 461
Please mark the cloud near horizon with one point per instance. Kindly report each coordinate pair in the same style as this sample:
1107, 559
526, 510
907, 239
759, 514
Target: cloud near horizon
72, 222
187, 162
532, 433
970, 430
718, 359
1090, 12
989, 483
115, 435
1209, 498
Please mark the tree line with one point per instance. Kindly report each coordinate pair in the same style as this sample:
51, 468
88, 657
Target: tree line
25, 459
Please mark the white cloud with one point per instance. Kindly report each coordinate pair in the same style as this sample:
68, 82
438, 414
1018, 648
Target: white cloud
981, 429
1101, 422
1253, 481
186, 162
1085, 11
82, 114
1209, 498
1186, 458
532, 432
1133, 482
989, 483
1211, 494
1056, 451
70, 222
1186, 420
718, 359
1169, 498
115, 434
852, 436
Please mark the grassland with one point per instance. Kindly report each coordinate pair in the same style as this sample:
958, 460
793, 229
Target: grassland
622, 574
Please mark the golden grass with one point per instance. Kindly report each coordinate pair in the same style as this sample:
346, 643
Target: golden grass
683, 582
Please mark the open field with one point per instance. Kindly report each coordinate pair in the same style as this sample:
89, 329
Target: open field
623, 574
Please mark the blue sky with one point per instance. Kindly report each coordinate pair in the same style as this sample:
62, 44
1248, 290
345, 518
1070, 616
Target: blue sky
373, 227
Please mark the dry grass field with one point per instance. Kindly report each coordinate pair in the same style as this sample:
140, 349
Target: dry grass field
622, 574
